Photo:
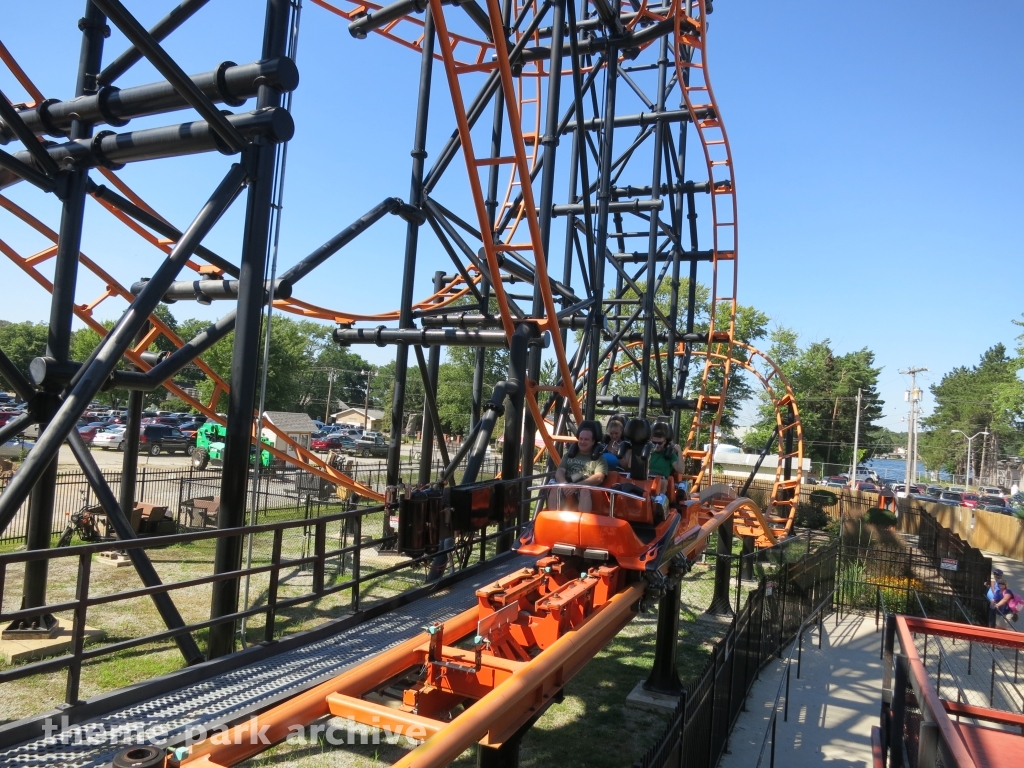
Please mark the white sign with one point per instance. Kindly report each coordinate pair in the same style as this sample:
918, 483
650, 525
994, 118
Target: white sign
948, 564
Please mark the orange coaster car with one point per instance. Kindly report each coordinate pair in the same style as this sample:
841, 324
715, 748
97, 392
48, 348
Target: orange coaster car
624, 526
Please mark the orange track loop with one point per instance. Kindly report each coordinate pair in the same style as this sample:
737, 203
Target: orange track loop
692, 75
782, 398
548, 322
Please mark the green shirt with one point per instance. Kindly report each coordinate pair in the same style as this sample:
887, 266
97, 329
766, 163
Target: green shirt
660, 463
580, 466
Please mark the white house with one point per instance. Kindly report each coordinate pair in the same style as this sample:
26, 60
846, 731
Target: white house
298, 426
358, 417
734, 463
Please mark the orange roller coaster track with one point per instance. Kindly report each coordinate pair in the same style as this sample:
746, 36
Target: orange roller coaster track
615, 86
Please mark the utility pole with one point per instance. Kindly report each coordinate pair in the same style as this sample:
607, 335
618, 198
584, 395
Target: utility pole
856, 445
913, 396
366, 404
331, 376
981, 469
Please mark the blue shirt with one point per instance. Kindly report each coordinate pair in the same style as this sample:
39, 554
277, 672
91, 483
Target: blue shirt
613, 460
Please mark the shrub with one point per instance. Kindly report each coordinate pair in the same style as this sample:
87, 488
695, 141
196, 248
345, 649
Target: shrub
811, 516
880, 517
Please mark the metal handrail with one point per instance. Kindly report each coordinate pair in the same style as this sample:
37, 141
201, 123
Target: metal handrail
73, 661
612, 492
816, 614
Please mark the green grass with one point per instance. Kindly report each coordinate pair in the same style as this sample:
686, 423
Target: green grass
593, 711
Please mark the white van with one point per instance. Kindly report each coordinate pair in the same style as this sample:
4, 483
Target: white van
864, 475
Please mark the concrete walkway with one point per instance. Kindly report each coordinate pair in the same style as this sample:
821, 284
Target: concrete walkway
832, 707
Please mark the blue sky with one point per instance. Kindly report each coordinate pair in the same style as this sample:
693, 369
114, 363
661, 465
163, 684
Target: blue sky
877, 153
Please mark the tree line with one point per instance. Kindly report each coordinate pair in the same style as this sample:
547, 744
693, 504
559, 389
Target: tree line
301, 360
985, 397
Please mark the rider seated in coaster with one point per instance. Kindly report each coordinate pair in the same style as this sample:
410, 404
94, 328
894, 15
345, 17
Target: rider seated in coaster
665, 459
613, 444
582, 464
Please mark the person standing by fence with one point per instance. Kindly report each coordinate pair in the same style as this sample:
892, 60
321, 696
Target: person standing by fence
993, 594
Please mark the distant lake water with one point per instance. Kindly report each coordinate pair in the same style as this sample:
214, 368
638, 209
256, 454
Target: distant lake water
894, 469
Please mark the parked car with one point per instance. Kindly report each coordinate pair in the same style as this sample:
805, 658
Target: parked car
951, 498
6, 416
108, 437
970, 500
934, 491
867, 487
373, 435
189, 428
836, 482
368, 446
155, 439
992, 491
332, 442
14, 447
993, 504
87, 432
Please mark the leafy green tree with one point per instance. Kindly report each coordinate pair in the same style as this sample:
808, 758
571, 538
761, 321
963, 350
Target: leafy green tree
825, 386
382, 392
22, 343
455, 385
980, 398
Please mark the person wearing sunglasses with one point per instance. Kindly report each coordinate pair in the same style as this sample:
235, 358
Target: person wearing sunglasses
665, 457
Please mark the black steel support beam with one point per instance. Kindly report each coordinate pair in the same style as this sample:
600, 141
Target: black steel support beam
166, 66
15, 378
549, 141
720, 603
97, 369
515, 412
143, 565
417, 193
431, 423
17, 129
17, 167
639, 120
625, 401
604, 185
230, 83
209, 290
425, 337
473, 320
618, 206
664, 676
178, 16
161, 227
350, 233
16, 426
38, 473
112, 150
655, 204
245, 355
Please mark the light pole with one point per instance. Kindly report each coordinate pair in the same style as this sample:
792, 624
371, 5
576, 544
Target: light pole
969, 441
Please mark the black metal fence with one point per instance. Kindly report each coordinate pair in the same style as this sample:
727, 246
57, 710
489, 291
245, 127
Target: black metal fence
285, 494
940, 577
340, 551
699, 730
